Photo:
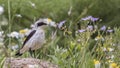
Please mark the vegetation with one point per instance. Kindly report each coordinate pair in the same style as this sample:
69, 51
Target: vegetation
83, 41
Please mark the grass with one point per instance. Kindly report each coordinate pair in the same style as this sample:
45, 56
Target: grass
69, 48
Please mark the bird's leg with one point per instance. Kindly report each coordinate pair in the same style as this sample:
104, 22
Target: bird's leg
33, 53
30, 51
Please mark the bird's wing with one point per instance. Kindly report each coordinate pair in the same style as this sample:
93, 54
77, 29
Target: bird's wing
29, 36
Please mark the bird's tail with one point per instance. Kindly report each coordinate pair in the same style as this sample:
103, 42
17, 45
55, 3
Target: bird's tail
18, 54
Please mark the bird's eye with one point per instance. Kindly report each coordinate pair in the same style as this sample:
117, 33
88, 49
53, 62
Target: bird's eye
41, 23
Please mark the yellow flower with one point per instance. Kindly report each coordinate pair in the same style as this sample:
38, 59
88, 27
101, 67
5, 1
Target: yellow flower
23, 31
97, 63
49, 20
110, 61
113, 65
98, 37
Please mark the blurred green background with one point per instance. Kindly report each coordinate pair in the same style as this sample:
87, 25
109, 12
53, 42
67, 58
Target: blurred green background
31, 10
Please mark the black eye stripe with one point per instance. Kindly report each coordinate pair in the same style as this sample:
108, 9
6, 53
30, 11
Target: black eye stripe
41, 23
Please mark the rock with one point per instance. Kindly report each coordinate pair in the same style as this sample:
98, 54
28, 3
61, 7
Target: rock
27, 63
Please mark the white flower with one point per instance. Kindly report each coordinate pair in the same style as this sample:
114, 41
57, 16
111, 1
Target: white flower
1, 33
32, 4
14, 47
1, 10
78, 40
3, 21
18, 15
61, 23
52, 24
104, 49
13, 34
112, 56
1, 39
1, 36
70, 11
24, 32
110, 49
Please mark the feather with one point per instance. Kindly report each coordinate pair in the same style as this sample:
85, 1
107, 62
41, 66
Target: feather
28, 38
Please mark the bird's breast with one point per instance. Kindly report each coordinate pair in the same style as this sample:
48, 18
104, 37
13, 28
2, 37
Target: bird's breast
37, 40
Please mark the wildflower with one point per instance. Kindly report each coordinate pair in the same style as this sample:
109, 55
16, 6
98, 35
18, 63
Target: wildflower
32, 4
110, 30
82, 30
86, 18
53, 24
24, 32
78, 40
1, 33
103, 28
112, 56
14, 47
49, 20
110, 49
113, 44
98, 37
94, 19
104, 49
1, 36
14, 34
69, 12
113, 65
3, 21
18, 15
110, 61
1, 39
97, 63
90, 27
90, 18
61, 24
1, 10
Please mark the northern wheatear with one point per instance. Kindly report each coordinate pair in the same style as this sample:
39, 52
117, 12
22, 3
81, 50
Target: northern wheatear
36, 38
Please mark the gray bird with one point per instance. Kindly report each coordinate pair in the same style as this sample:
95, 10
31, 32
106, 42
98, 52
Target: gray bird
36, 38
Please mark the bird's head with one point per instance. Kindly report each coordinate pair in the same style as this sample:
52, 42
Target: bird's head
42, 23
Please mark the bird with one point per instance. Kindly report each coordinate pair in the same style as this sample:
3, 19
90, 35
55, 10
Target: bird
36, 38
